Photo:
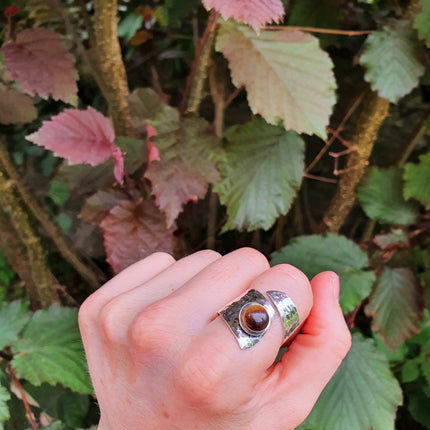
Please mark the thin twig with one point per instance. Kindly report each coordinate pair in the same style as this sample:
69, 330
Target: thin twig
417, 137
319, 30
217, 90
209, 29
232, 96
28, 412
320, 178
335, 133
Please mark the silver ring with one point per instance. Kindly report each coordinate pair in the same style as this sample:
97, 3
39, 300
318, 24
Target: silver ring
248, 318
287, 311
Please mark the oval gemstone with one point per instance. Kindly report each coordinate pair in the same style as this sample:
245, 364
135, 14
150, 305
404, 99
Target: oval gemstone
254, 318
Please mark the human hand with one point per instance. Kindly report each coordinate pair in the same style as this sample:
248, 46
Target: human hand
161, 358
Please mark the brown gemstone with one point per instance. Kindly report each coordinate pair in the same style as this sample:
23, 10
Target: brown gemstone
254, 318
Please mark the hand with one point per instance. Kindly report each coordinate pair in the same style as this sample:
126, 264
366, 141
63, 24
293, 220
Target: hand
161, 358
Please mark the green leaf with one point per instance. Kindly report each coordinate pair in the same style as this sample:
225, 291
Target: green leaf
315, 254
363, 394
417, 180
261, 174
286, 74
146, 105
64, 221
422, 19
13, 317
381, 197
6, 274
58, 192
129, 25
397, 238
393, 61
61, 403
135, 153
187, 148
4, 410
410, 371
178, 10
395, 306
418, 406
50, 350
393, 357
56, 425
425, 369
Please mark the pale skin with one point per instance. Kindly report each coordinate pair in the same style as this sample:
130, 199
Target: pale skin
161, 358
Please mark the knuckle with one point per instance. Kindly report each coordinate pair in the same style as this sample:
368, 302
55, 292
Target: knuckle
252, 257
110, 321
151, 329
88, 311
202, 375
208, 254
163, 256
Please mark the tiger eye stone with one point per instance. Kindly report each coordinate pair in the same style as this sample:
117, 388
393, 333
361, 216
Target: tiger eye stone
254, 318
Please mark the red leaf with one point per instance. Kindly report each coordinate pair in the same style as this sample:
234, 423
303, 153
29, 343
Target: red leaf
80, 137
134, 230
255, 13
9, 11
98, 205
15, 107
173, 184
38, 61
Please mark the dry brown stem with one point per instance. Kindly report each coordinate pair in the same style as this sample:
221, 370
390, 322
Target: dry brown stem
37, 277
111, 66
374, 110
92, 275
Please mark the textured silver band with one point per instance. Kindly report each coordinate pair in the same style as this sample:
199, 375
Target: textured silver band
231, 313
287, 311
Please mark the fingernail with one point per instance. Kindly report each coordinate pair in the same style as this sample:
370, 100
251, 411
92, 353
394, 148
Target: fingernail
334, 286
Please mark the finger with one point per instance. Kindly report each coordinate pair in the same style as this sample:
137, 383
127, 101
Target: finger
316, 353
216, 357
117, 315
215, 286
134, 275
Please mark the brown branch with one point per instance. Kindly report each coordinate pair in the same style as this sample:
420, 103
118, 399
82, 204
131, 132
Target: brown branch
374, 110
92, 275
28, 412
194, 85
217, 89
39, 282
111, 66
319, 30
320, 178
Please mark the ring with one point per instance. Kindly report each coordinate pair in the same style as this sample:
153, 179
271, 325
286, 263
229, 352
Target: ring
287, 311
250, 316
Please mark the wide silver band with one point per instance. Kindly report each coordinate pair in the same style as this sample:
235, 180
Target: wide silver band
287, 311
278, 300
231, 313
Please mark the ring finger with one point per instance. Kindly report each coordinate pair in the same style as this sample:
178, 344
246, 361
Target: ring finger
215, 359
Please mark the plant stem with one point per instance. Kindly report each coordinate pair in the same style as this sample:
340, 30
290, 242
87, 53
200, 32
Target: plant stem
28, 412
194, 86
318, 30
39, 282
111, 66
217, 91
92, 275
374, 110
